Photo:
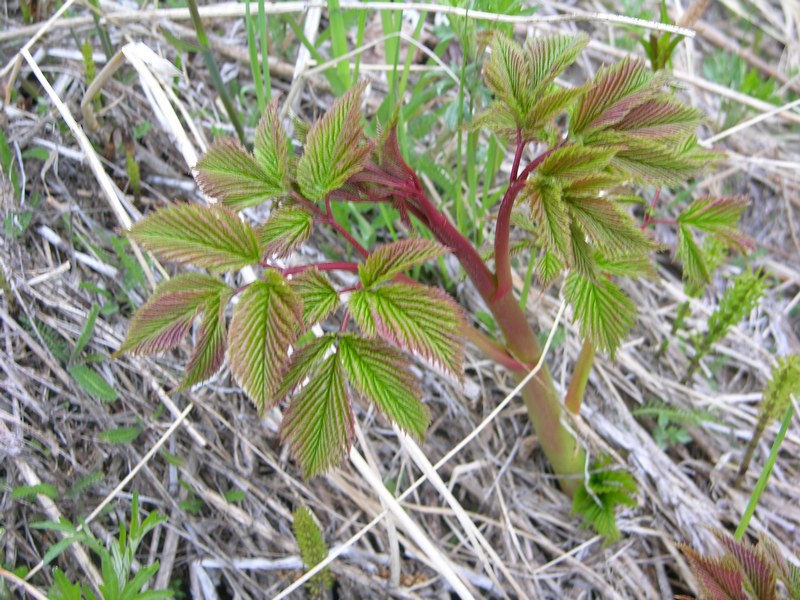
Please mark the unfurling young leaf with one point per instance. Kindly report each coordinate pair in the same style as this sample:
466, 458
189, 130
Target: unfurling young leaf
695, 272
335, 148
390, 260
285, 230
162, 323
319, 297
415, 318
604, 312
205, 236
718, 217
381, 374
265, 322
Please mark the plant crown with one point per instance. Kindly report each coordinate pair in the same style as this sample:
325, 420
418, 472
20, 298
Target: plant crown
567, 208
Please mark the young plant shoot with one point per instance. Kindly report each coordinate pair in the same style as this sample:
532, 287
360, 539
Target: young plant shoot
578, 154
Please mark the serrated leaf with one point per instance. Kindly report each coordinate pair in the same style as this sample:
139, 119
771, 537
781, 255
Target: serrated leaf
549, 211
304, 361
611, 230
162, 323
231, 174
717, 216
319, 423
573, 161
509, 75
546, 108
627, 265
551, 54
390, 260
660, 162
604, 312
272, 149
695, 272
759, 576
381, 374
548, 267
335, 149
92, 383
416, 318
718, 578
285, 230
208, 353
264, 325
615, 91
29, 492
205, 236
583, 257
319, 297
663, 118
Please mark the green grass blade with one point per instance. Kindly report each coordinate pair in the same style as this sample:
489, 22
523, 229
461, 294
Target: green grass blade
252, 46
339, 41
263, 25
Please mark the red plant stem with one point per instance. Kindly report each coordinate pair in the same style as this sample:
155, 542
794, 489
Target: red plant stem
342, 231
648, 217
491, 348
502, 236
580, 377
517, 157
326, 266
307, 203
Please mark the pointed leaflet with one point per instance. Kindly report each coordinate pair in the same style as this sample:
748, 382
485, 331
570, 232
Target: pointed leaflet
611, 230
663, 118
319, 297
548, 267
303, 363
551, 54
508, 74
604, 312
334, 149
717, 216
382, 374
319, 423
695, 271
390, 260
546, 108
719, 579
549, 212
238, 179
760, 577
576, 161
162, 323
265, 323
616, 90
285, 230
205, 236
414, 317
209, 350
661, 163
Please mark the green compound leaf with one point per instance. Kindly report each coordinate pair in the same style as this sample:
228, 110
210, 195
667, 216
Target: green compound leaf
335, 149
272, 149
574, 162
319, 424
661, 162
611, 230
615, 91
596, 502
416, 318
382, 374
508, 74
717, 216
238, 179
551, 54
695, 271
209, 350
390, 260
264, 325
550, 213
93, 383
162, 323
604, 312
304, 361
284, 231
664, 118
319, 297
205, 236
